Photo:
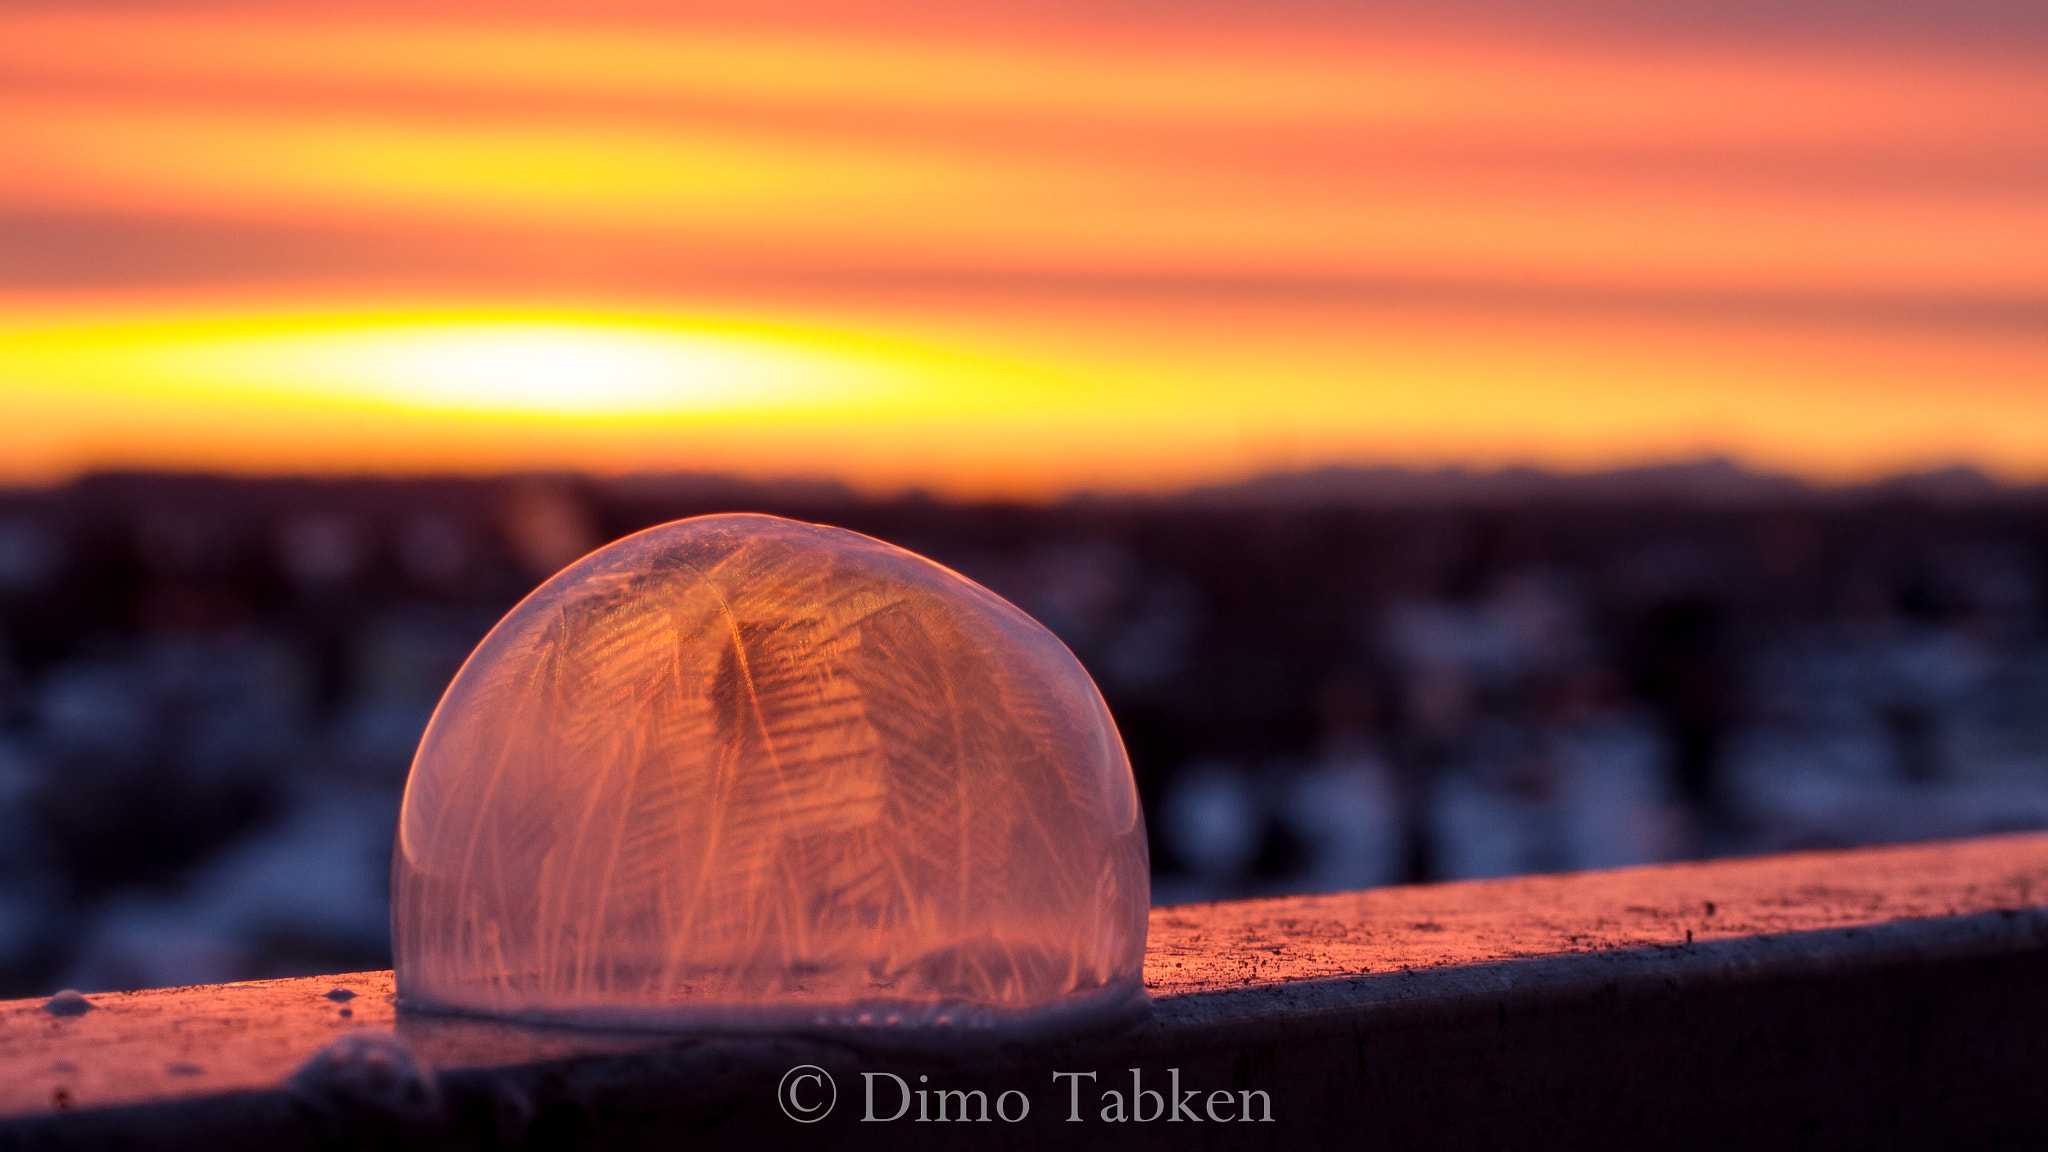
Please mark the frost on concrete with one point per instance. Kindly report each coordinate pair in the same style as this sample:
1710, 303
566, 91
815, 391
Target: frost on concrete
69, 1002
372, 1070
737, 772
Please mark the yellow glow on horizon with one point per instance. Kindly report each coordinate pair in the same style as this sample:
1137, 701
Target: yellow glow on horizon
553, 368
545, 366
1026, 401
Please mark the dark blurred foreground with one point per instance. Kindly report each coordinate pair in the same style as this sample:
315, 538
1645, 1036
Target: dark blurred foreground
210, 689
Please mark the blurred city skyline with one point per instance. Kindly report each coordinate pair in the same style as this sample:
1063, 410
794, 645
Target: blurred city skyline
1022, 250
211, 688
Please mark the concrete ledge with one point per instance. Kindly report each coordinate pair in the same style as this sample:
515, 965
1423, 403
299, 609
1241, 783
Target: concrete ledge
1875, 998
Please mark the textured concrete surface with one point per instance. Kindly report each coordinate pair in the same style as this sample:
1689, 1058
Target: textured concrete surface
1201, 948
1875, 998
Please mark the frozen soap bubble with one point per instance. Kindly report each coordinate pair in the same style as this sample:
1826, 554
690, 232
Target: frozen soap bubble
737, 772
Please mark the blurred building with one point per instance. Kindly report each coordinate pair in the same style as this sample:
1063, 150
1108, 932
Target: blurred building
210, 689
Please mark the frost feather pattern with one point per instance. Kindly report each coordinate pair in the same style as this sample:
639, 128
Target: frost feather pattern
740, 772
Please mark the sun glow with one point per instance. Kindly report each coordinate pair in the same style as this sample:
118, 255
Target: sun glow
503, 365
547, 367
1032, 399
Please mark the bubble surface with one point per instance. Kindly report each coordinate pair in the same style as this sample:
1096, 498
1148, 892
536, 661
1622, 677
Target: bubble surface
738, 772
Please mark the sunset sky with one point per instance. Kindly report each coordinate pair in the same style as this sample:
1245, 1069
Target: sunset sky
995, 248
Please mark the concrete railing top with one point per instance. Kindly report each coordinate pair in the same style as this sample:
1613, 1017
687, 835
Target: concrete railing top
1314, 1003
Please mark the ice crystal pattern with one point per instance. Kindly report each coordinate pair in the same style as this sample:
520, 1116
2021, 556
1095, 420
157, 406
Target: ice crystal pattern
740, 772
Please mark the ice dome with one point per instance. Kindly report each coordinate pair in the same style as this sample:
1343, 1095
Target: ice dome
738, 772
